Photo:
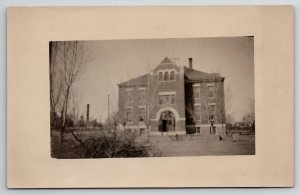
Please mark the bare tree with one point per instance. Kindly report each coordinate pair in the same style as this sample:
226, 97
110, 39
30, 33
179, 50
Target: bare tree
189, 109
67, 60
229, 118
228, 100
76, 103
228, 94
55, 88
223, 97
249, 118
119, 119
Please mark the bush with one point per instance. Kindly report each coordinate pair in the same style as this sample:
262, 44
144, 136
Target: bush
112, 146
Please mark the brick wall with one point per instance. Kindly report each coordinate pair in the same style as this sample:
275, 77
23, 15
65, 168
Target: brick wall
204, 101
184, 98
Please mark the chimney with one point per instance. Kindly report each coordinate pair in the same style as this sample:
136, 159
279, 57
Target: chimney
191, 63
87, 113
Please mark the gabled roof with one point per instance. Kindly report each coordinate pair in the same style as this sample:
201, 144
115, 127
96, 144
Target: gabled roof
166, 63
166, 60
138, 80
193, 74
189, 74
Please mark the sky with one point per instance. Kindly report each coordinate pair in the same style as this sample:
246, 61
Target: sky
114, 61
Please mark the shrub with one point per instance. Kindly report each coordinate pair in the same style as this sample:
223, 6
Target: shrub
112, 146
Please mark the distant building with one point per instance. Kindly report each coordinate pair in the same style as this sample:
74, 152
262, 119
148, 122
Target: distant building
174, 100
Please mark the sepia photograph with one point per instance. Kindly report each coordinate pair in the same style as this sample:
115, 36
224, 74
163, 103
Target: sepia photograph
152, 98
198, 93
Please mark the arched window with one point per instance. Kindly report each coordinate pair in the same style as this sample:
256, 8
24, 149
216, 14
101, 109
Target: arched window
160, 76
166, 76
172, 76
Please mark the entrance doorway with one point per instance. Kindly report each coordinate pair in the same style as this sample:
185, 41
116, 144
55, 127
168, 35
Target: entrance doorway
167, 122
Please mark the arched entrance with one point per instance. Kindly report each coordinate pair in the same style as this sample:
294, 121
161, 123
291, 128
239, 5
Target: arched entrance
166, 121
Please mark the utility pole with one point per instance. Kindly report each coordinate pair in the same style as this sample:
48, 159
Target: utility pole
87, 113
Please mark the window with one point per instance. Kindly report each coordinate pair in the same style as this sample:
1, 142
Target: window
196, 91
160, 100
142, 113
129, 114
198, 130
167, 99
142, 95
172, 99
166, 76
197, 112
211, 112
172, 76
211, 91
160, 76
129, 98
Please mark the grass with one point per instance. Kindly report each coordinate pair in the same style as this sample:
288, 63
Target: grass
206, 148
99, 144
158, 146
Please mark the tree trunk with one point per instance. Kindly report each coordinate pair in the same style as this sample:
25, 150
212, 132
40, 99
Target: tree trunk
61, 141
148, 138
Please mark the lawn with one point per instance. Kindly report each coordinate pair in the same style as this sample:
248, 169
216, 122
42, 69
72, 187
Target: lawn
203, 148
167, 147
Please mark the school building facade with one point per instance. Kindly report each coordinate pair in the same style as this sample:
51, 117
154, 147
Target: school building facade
174, 100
